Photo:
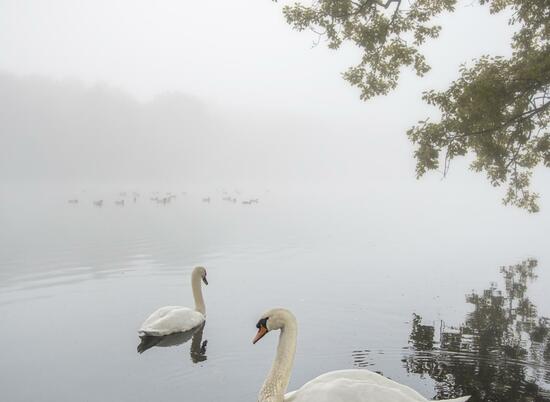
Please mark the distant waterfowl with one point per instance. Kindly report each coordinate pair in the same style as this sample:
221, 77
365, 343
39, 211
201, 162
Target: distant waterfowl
170, 319
120, 202
229, 199
169, 197
74, 201
207, 199
163, 200
334, 386
98, 203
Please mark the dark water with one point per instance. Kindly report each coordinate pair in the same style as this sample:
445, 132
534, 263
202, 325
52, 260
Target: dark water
447, 303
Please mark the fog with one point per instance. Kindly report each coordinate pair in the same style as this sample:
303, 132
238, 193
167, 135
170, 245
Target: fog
66, 132
214, 94
139, 139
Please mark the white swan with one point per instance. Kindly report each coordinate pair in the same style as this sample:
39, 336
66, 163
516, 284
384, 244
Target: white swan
169, 319
334, 386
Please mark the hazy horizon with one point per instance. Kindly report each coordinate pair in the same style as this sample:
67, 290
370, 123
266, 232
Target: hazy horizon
141, 139
216, 94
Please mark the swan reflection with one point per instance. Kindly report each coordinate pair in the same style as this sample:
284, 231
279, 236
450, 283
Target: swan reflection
198, 346
501, 352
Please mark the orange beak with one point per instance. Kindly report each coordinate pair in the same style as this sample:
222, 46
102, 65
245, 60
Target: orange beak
261, 332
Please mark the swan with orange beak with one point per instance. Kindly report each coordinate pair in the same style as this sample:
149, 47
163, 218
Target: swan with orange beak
334, 386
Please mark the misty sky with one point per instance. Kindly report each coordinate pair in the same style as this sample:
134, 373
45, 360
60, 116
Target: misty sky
279, 103
239, 51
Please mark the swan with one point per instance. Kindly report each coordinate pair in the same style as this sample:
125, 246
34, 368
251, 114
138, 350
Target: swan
169, 319
334, 386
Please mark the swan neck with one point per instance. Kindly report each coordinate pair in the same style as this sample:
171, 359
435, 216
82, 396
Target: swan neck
197, 293
276, 383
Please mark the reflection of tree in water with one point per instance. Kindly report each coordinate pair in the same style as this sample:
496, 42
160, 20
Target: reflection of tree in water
361, 358
500, 353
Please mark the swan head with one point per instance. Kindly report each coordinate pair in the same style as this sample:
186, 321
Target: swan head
201, 272
277, 318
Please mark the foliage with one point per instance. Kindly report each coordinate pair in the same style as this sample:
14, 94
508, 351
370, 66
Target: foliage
500, 351
498, 109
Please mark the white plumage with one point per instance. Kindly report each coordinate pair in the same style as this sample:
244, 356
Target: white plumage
170, 319
334, 386
356, 386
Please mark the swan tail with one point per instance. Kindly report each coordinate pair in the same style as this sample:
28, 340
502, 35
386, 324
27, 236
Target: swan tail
461, 399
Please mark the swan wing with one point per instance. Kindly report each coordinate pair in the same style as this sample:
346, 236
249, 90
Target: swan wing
169, 319
355, 386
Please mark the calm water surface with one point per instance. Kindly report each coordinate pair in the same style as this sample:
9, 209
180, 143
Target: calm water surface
447, 304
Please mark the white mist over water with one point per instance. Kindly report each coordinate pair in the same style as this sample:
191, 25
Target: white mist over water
209, 100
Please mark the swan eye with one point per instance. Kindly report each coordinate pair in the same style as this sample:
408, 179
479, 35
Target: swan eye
262, 323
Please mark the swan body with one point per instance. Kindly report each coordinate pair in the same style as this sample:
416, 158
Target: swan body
170, 319
334, 386
355, 386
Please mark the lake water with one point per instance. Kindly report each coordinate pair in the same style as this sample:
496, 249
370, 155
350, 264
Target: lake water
396, 285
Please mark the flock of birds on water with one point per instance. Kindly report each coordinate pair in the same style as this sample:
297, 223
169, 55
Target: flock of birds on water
356, 385
163, 199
